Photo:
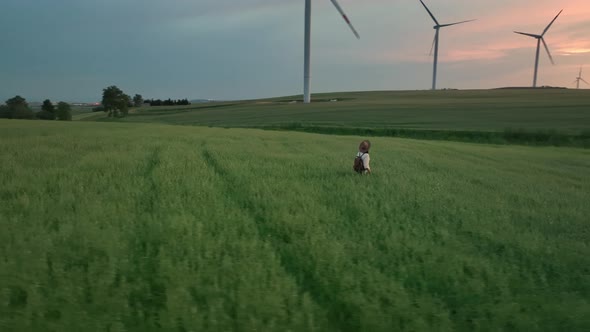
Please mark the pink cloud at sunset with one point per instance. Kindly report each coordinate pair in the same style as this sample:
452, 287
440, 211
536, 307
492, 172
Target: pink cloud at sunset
491, 36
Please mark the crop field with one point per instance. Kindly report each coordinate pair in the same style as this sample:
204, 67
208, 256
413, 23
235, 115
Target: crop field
564, 111
144, 227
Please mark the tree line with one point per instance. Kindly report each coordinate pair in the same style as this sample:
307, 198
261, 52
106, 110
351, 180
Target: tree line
167, 102
114, 102
18, 108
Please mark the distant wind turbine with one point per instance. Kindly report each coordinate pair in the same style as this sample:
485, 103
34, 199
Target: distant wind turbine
579, 78
307, 51
435, 41
539, 40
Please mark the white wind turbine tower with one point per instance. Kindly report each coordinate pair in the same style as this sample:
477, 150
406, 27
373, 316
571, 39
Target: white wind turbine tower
539, 40
579, 78
435, 42
307, 51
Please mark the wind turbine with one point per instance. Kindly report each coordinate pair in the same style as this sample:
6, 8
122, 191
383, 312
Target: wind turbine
435, 42
539, 40
307, 51
579, 78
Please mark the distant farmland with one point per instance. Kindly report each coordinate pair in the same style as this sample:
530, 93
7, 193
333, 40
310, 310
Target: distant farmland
143, 227
566, 111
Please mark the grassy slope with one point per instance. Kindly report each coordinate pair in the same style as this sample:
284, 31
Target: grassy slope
88, 116
566, 111
141, 227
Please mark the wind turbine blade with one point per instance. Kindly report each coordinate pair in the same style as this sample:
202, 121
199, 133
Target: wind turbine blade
429, 12
547, 49
549, 26
345, 18
580, 75
583, 80
528, 34
448, 25
432, 48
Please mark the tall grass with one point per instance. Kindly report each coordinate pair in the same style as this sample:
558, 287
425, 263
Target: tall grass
150, 227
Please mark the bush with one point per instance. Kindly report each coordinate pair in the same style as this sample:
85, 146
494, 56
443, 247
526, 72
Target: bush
5, 112
45, 115
64, 112
22, 112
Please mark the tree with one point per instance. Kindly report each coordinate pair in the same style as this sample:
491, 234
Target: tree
47, 111
137, 100
64, 111
18, 108
17, 101
48, 106
115, 101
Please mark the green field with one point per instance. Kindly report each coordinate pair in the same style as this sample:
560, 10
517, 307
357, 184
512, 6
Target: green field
566, 111
143, 227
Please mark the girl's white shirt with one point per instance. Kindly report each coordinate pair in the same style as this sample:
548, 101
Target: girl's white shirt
366, 159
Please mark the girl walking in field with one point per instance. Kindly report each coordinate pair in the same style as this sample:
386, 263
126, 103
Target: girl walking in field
361, 162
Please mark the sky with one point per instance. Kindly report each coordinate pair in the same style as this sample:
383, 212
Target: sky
243, 49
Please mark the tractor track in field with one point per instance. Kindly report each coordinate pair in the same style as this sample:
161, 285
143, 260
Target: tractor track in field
148, 295
342, 315
151, 195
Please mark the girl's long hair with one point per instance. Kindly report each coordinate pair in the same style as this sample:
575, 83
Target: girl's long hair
365, 146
